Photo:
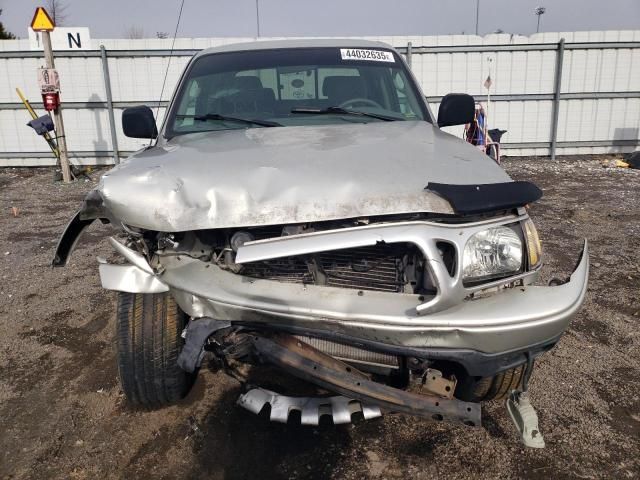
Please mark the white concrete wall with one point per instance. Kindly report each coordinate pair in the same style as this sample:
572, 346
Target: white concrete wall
139, 79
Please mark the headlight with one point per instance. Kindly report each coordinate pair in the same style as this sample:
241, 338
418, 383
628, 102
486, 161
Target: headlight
492, 253
533, 243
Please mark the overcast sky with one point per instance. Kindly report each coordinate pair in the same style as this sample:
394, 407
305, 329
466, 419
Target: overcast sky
216, 18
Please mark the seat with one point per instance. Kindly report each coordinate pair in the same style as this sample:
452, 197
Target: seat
339, 89
251, 97
245, 102
245, 95
247, 83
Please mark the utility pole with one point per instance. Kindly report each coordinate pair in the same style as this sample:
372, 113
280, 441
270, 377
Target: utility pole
57, 114
51, 90
539, 11
477, 15
258, 17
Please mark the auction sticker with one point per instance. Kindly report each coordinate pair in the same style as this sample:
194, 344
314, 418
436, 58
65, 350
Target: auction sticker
365, 55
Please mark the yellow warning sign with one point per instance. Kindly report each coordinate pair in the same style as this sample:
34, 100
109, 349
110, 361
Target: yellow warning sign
42, 21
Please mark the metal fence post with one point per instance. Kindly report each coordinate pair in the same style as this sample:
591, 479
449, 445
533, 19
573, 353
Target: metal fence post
107, 87
556, 97
409, 53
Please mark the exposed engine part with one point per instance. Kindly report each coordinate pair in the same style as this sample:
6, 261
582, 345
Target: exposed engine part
184, 243
351, 354
231, 345
397, 267
339, 408
230, 261
389, 268
167, 241
307, 363
240, 238
295, 230
132, 231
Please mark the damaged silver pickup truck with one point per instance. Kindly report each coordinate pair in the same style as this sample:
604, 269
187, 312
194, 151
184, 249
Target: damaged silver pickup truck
301, 207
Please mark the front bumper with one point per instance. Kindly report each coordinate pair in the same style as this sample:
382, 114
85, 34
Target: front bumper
510, 320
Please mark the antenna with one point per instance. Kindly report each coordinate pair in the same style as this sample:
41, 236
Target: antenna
164, 82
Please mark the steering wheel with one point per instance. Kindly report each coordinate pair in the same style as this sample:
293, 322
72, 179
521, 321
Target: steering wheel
360, 101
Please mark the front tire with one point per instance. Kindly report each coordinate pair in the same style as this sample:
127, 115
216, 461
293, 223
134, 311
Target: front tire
149, 328
491, 388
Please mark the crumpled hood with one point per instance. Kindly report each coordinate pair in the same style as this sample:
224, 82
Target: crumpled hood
283, 175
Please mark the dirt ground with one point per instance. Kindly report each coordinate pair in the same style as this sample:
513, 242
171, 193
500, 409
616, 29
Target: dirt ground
62, 414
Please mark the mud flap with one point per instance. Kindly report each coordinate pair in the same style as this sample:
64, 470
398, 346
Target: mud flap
92, 209
195, 335
69, 239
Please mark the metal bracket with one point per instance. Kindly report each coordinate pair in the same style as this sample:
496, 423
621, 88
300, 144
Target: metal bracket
433, 382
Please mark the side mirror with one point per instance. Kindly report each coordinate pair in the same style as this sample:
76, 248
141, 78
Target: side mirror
138, 122
456, 109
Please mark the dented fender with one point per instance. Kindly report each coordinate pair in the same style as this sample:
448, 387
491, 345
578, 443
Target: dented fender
136, 277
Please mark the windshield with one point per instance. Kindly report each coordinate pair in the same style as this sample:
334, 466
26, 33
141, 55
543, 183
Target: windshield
295, 86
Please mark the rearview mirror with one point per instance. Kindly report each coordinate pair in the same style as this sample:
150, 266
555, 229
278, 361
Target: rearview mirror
456, 109
138, 122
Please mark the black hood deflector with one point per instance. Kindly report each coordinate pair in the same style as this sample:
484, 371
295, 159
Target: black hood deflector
485, 198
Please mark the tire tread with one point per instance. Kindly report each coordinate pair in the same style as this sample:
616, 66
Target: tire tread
491, 388
149, 328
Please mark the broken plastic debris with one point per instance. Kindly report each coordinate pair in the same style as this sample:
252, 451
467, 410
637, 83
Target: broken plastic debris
310, 408
525, 419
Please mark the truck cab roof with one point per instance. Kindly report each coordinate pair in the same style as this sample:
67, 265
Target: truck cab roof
295, 43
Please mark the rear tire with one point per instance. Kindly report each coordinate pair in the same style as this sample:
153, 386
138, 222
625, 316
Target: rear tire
149, 328
491, 388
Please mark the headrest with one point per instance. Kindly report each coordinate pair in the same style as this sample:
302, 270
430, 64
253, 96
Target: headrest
343, 87
247, 83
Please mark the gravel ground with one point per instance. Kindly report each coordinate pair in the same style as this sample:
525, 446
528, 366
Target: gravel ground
62, 414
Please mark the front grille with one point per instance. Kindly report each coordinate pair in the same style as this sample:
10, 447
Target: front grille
381, 268
369, 268
289, 269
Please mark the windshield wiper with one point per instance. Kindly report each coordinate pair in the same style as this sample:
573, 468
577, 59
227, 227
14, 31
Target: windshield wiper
343, 111
217, 116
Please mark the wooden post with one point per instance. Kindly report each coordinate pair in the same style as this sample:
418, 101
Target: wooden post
57, 114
